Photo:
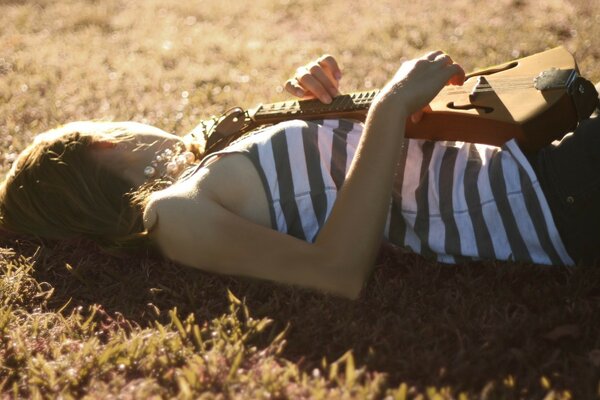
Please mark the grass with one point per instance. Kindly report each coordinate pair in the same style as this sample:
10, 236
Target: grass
75, 322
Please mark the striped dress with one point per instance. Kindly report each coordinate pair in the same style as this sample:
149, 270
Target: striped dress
452, 201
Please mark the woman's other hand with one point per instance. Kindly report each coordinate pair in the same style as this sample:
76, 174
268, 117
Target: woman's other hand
418, 81
318, 79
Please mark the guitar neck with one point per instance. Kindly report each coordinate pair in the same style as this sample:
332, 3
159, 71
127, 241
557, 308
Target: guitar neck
542, 97
352, 105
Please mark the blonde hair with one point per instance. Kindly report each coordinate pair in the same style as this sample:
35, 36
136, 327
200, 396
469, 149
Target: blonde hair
56, 190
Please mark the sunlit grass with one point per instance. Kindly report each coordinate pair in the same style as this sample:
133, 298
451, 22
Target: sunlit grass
76, 322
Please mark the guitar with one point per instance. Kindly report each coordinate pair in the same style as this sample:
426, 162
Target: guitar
535, 100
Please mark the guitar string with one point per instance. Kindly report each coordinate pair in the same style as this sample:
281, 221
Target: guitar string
365, 98
356, 101
295, 105
448, 90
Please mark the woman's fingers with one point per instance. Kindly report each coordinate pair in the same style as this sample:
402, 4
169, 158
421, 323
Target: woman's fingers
456, 74
318, 79
417, 116
330, 64
418, 81
433, 55
443, 59
317, 82
292, 86
457, 77
455, 71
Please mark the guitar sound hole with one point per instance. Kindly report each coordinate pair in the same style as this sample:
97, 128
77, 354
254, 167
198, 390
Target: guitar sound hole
481, 109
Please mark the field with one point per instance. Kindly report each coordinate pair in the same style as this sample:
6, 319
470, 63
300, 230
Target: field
76, 322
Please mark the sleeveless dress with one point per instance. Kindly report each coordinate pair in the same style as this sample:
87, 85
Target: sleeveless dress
452, 201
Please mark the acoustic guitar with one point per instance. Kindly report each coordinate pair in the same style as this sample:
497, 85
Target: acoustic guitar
535, 100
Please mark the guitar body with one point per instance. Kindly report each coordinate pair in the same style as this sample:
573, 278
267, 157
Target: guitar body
506, 110
534, 100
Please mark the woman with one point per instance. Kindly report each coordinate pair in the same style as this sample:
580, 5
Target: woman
227, 215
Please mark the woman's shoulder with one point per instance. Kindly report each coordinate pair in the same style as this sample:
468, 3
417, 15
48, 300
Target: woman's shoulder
162, 202
230, 181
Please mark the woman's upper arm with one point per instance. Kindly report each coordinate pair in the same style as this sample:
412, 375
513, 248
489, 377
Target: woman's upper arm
201, 233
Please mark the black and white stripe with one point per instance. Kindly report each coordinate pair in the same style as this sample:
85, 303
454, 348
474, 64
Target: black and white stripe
303, 164
483, 202
451, 201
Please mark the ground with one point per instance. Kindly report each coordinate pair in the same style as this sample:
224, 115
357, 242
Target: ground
77, 322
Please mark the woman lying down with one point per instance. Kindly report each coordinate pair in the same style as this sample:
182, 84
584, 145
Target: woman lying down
308, 203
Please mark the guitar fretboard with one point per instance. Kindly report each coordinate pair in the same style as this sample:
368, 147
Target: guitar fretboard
300, 108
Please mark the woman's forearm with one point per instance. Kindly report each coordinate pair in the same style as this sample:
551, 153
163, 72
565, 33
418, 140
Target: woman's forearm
355, 227
353, 232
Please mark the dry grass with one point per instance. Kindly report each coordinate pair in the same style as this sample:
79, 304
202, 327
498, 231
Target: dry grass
76, 322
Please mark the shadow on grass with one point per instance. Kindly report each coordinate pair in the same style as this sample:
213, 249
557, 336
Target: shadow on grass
418, 321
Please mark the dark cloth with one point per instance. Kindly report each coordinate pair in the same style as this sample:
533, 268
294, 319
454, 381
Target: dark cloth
569, 174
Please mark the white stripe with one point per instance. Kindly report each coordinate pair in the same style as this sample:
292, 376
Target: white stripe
267, 161
468, 243
490, 212
325, 143
437, 229
516, 200
414, 155
411, 239
331, 195
352, 139
330, 124
300, 182
355, 135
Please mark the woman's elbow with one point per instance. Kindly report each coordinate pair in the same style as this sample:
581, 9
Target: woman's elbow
347, 276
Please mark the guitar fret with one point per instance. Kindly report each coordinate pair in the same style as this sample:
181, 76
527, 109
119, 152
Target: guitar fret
340, 104
347, 103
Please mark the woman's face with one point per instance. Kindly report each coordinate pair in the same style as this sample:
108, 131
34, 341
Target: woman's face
130, 157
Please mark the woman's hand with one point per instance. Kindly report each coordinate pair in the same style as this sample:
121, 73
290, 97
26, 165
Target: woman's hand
318, 79
418, 81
